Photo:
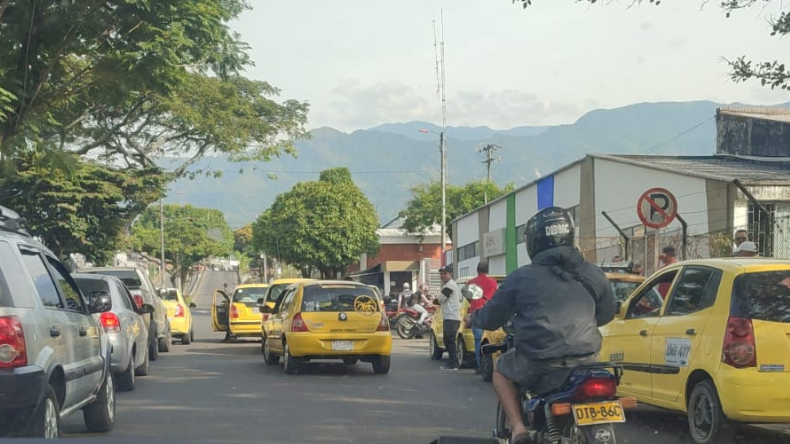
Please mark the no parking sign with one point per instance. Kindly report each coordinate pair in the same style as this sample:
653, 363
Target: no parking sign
657, 208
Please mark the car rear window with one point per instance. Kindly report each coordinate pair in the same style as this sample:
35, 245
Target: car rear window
249, 295
89, 285
128, 277
6, 254
337, 298
275, 292
171, 294
763, 296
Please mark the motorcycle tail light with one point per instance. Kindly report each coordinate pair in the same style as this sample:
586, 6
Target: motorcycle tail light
596, 388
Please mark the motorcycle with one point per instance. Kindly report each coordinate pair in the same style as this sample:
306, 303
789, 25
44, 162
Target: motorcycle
582, 410
393, 312
408, 325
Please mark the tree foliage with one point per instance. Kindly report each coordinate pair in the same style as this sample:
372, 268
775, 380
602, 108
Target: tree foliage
242, 241
191, 234
325, 224
77, 207
769, 73
425, 207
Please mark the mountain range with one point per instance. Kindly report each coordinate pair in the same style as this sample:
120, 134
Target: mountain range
387, 160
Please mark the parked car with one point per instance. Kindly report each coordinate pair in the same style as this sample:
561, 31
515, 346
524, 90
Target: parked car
179, 314
124, 324
138, 283
709, 339
54, 355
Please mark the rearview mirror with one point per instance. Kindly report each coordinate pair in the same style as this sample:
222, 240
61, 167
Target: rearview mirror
147, 309
266, 309
99, 302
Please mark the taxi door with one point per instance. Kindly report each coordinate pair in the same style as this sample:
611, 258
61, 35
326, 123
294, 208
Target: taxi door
278, 320
677, 337
629, 337
220, 311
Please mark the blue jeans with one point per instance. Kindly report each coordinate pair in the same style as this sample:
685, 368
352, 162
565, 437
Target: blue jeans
478, 333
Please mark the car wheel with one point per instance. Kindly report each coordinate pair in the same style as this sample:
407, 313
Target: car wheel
187, 338
487, 366
100, 414
153, 347
166, 343
192, 334
290, 364
350, 361
460, 352
433, 348
45, 422
126, 379
381, 365
705, 417
144, 368
268, 357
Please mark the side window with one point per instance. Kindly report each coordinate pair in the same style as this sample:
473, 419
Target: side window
287, 300
45, 286
68, 287
649, 302
696, 290
126, 298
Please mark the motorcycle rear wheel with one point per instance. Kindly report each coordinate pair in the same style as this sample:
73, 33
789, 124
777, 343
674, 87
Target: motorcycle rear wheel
405, 328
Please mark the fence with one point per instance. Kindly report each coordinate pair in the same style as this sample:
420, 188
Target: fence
645, 248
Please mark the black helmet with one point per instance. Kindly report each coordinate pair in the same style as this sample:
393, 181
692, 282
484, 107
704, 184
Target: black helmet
548, 228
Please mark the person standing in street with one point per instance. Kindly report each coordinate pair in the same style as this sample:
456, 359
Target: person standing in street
489, 287
450, 300
740, 237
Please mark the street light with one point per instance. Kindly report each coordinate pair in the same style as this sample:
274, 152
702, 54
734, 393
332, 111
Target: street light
443, 162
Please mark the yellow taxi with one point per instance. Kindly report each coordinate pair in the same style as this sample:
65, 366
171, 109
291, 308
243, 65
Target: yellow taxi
327, 320
237, 315
178, 314
708, 338
466, 339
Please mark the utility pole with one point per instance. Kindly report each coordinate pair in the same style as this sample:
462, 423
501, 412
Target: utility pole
162, 237
489, 149
443, 141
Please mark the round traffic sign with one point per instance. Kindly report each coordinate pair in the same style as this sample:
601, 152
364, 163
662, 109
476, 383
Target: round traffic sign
657, 208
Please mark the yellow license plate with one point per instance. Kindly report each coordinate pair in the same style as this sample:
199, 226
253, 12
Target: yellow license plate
598, 413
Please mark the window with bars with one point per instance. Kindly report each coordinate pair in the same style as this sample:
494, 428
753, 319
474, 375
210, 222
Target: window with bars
468, 251
760, 230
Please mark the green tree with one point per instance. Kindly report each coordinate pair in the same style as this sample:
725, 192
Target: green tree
425, 207
325, 224
191, 234
81, 207
770, 73
242, 241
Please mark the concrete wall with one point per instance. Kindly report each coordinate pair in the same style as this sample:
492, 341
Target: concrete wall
751, 135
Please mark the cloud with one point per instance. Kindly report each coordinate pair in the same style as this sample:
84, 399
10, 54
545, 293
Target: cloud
509, 108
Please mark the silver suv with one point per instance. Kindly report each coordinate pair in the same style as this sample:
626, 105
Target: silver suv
138, 283
54, 355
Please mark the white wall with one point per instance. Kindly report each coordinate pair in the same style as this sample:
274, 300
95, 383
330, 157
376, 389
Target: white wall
618, 187
468, 230
497, 265
567, 186
526, 206
497, 217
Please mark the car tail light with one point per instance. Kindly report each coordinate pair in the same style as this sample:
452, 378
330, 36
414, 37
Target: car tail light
234, 312
384, 324
739, 349
265, 317
13, 352
298, 324
596, 388
138, 299
179, 311
110, 322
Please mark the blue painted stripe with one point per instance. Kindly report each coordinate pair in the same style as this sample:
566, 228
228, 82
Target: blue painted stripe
546, 192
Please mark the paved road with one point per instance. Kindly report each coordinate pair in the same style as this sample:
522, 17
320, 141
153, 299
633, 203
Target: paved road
212, 391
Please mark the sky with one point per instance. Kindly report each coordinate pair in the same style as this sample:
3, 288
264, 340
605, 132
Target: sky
361, 63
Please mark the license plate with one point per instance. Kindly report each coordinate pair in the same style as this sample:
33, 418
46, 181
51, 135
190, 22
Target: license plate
342, 345
598, 413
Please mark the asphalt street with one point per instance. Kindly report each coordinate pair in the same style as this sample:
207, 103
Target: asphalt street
212, 391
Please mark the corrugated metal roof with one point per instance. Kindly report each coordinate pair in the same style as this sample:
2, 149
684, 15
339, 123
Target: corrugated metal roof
765, 113
762, 172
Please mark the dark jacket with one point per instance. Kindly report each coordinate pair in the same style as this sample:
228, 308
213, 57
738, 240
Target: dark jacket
556, 316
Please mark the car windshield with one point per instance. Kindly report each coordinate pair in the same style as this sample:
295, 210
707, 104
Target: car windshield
338, 298
763, 296
623, 290
249, 295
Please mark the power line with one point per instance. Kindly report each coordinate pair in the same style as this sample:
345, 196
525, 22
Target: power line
678, 136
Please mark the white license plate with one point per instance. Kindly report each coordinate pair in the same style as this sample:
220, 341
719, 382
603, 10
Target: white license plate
342, 345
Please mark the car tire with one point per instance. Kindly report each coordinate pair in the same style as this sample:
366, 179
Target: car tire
707, 423
165, 344
45, 422
350, 361
145, 368
187, 338
433, 348
290, 364
381, 365
100, 414
125, 380
268, 357
486, 366
192, 334
153, 346
460, 351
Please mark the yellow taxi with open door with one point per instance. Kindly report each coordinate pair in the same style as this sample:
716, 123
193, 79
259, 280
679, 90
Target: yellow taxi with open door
237, 314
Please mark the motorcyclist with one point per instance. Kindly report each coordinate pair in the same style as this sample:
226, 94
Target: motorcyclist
416, 302
559, 301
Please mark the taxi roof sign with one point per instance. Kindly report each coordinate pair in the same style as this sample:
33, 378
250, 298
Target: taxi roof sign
623, 267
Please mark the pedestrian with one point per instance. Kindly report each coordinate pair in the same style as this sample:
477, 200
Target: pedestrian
450, 299
637, 269
667, 257
489, 287
740, 237
746, 249
617, 259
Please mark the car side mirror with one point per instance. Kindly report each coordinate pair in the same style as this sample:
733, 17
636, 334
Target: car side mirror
266, 309
99, 302
147, 309
192, 305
